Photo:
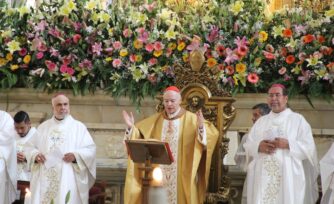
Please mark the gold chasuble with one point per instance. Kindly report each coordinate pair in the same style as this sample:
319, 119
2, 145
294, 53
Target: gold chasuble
193, 158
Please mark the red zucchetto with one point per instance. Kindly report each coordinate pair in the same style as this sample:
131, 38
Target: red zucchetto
172, 88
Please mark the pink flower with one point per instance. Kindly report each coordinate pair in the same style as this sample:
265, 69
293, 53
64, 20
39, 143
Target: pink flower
42, 47
54, 52
143, 37
97, 48
132, 58
52, 67
77, 26
242, 50
116, 63
127, 32
302, 56
270, 48
241, 42
230, 56
149, 47
158, 46
76, 38
150, 7
152, 78
63, 68
282, 71
268, 55
152, 61
213, 35
70, 71
86, 64
23, 52
67, 59
253, 78
41, 26
117, 45
54, 32
39, 55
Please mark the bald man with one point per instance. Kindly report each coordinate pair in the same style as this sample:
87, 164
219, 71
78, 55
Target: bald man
192, 140
61, 157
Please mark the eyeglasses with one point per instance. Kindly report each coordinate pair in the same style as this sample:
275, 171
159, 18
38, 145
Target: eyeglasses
277, 95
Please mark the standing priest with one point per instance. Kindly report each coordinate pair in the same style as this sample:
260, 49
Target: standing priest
284, 168
7, 159
192, 141
62, 158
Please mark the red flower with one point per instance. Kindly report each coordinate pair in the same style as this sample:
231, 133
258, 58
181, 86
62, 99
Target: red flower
321, 39
229, 70
308, 38
23, 52
287, 33
253, 78
290, 59
76, 38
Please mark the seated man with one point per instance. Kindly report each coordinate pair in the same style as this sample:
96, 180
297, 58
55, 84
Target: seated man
192, 141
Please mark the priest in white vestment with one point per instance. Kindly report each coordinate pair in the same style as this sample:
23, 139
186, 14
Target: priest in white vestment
7, 159
192, 141
240, 159
327, 176
62, 158
24, 132
284, 168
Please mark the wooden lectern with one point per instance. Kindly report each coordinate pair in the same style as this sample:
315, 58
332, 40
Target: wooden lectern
148, 152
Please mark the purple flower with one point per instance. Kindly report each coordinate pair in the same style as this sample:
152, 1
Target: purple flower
213, 35
300, 29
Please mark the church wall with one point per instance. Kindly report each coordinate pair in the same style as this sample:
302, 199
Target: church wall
103, 117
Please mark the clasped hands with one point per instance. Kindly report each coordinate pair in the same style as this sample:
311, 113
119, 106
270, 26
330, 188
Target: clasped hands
270, 146
68, 157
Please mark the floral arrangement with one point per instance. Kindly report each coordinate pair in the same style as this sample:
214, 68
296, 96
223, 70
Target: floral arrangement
130, 50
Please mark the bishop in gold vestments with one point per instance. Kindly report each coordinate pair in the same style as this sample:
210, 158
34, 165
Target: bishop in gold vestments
192, 140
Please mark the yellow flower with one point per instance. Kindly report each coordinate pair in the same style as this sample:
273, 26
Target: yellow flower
172, 46
185, 57
108, 59
13, 46
104, 17
23, 10
14, 67
181, 46
263, 36
9, 57
110, 31
277, 31
6, 34
26, 59
237, 7
211, 62
90, 5
170, 34
123, 52
3, 61
138, 44
95, 17
142, 18
64, 10
71, 5
138, 58
257, 61
157, 53
240, 67
329, 13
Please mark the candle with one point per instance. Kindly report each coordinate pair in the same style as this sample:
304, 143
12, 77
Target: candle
157, 194
27, 197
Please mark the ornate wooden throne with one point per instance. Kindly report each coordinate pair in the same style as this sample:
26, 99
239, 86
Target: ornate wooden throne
199, 90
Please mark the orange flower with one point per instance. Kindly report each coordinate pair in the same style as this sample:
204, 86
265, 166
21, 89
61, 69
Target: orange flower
211, 62
240, 67
290, 59
308, 38
157, 53
181, 46
138, 44
287, 33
